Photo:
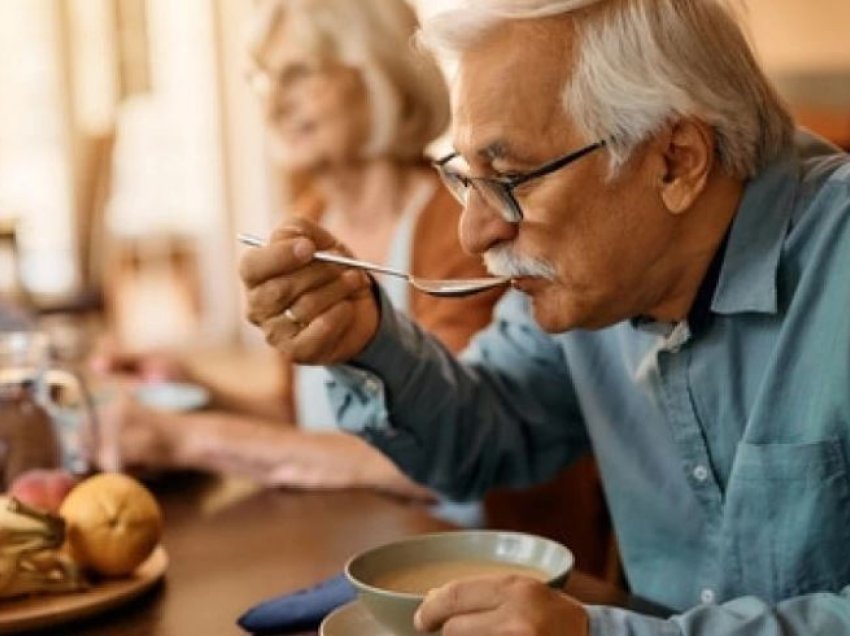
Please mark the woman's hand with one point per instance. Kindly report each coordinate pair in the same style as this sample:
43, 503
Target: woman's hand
317, 312
501, 605
132, 436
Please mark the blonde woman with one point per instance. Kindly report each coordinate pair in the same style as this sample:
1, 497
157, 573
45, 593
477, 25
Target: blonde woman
350, 106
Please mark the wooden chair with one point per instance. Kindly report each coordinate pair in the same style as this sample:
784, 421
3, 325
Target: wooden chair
831, 123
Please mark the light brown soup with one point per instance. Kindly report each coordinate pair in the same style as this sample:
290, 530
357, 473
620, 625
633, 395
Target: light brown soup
419, 578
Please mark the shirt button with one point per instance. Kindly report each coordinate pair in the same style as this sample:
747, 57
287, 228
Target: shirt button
372, 385
700, 473
707, 596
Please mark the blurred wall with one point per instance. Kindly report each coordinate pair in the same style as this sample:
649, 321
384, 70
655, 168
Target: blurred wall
791, 35
794, 36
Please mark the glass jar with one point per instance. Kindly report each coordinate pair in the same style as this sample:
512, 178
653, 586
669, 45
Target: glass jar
46, 414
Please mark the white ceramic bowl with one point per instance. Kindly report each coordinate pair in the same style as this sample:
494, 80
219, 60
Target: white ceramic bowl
394, 610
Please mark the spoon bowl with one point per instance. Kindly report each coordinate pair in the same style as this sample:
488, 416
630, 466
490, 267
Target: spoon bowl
443, 287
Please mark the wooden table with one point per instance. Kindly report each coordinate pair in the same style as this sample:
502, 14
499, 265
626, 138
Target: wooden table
232, 546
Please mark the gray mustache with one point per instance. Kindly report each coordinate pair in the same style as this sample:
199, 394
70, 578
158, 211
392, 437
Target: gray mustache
502, 260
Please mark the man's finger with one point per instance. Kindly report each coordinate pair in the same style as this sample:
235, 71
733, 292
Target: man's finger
275, 295
320, 338
296, 227
275, 259
308, 306
458, 598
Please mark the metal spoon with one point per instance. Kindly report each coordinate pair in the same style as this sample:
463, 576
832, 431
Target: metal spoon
446, 287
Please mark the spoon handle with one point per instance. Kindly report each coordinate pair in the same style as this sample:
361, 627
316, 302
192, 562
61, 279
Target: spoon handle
338, 259
328, 257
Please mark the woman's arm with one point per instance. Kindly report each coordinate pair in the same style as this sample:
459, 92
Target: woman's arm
137, 437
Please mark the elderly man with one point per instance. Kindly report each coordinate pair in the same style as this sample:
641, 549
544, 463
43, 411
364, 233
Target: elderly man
684, 268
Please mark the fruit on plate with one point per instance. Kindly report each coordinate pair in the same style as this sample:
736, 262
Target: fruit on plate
113, 523
42, 488
29, 557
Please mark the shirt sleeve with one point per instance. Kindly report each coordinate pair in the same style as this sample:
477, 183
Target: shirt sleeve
821, 614
503, 415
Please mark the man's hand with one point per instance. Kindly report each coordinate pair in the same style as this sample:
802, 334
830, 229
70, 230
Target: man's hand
317, 312
501, 605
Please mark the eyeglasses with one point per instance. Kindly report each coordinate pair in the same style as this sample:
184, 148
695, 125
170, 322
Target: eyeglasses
498, 192
264, 82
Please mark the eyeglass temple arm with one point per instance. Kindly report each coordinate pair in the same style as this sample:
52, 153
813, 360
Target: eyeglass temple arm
542, 170
556, 164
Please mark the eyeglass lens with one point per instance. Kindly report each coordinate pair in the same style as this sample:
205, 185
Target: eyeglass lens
494, 194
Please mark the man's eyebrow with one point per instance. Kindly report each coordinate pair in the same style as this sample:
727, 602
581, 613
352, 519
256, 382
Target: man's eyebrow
501, 150
494, 150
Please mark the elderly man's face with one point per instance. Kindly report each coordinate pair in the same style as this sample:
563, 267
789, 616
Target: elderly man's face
600, 236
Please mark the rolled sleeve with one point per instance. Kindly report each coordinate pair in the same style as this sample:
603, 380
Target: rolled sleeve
503, 415
357, 393
358, 398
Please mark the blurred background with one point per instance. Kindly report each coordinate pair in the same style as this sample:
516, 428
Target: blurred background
132, 151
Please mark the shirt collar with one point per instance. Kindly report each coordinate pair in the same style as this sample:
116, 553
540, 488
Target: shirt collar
700, 315
747, 280
742, 275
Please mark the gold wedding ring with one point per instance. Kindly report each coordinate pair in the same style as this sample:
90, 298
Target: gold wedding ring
291, 317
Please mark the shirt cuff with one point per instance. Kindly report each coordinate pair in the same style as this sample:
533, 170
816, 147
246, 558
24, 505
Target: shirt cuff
358, 399
356, 392
612, 621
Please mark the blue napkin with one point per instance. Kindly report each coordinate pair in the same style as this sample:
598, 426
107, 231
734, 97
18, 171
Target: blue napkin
301, 610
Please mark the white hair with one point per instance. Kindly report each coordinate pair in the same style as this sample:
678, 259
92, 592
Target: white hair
640, 64
407, 94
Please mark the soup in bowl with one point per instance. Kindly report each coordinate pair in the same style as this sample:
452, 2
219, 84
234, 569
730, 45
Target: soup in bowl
393, 579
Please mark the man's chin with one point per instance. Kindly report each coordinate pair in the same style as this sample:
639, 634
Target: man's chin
558, 317
557, 310
550, 313
552, 321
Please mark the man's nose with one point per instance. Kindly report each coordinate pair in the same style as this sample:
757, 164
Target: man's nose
482, 227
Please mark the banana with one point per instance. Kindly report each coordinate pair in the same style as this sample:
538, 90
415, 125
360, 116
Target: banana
29, 557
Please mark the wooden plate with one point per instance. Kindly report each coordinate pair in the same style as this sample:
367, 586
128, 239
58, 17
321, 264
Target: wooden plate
47, 610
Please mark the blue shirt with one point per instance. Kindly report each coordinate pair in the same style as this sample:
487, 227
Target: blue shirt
723, 449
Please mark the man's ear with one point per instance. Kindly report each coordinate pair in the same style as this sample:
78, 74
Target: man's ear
688, 161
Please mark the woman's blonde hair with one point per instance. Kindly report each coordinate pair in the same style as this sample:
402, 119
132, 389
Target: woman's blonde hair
641, 63
407, 94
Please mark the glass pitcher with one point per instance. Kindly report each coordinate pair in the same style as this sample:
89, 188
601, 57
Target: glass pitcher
47, 419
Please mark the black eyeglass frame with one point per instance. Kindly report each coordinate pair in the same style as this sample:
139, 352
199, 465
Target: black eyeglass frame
507, 184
